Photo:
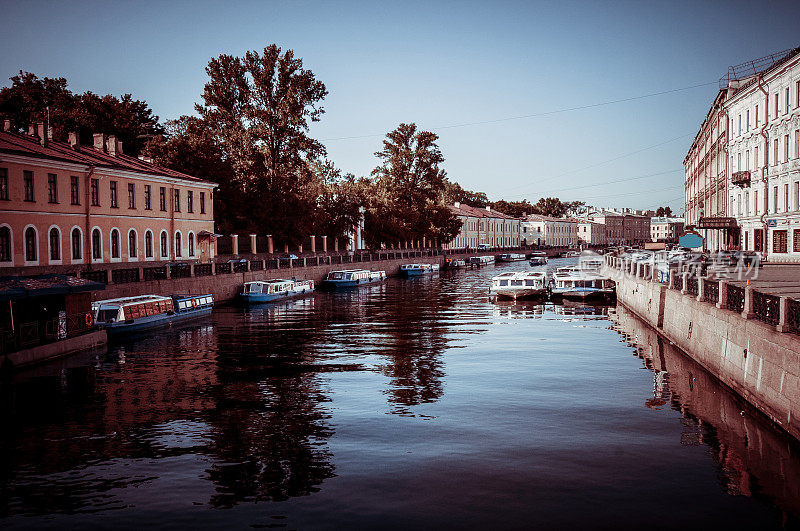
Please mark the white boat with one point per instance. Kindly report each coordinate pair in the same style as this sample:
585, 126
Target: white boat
519, 285
274, 289
348, 278
581, 283
572, 254
510, 257
135, 314
454, 263
538, 258
481, 260
417, 270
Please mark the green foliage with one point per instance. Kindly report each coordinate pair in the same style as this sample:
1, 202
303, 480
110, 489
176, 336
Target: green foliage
514, 208
28, 98
453, 193
664, 212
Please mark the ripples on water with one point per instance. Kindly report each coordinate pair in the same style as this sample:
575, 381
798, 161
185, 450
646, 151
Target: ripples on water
413, 403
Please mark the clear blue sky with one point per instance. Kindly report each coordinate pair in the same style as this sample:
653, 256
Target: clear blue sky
440, 64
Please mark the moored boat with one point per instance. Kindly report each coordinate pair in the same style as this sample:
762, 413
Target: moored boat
538, 258
143, 312
417, 270
581, 284
510, 257
481, 260
274, 289
572, 254
454, 263
348, 278
519, 285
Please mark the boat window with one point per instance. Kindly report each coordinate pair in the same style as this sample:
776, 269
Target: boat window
504, 282
516, 282
335, 276
529, 282
107, 314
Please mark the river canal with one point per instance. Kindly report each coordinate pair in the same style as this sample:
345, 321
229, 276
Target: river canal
410, 404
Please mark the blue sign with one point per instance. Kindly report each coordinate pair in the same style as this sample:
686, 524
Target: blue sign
772, 223
691, 240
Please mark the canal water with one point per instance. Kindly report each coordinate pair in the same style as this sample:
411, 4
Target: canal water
410, 404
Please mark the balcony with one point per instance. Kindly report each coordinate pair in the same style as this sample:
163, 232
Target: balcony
741, 178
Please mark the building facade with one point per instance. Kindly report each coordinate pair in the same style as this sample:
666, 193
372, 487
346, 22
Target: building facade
623, 228
552, 232
66, 204
484, 226
591, 233
764, 157
705, 179
664, 229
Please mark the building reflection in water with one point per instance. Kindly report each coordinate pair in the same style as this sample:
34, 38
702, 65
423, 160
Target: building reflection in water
754, 458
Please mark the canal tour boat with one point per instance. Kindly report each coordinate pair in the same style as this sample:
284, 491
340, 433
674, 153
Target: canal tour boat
481, 260
519, 285
348, 278
510, 257
418, 270
454, 263
572, 254
143, 312
538, 258
581, 284
270, 290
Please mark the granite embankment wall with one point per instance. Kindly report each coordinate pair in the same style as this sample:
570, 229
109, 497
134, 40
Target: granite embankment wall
749, 356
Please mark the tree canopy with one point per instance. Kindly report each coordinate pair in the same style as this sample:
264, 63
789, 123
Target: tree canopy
664, 212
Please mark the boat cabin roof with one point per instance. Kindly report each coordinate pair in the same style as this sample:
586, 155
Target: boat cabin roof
132, 300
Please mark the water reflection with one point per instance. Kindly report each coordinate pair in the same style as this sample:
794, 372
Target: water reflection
753, 458
537, 310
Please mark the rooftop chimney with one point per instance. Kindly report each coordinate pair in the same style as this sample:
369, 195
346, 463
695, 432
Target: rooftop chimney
457, 204
7, 125
488, 208
50, 133
74, 140
31, 129
111, 145
99, 141
42, 133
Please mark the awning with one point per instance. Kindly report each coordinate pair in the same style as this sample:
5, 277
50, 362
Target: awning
717, 223
40, 286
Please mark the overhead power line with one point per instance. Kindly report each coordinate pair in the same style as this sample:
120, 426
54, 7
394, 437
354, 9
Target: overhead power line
537, 114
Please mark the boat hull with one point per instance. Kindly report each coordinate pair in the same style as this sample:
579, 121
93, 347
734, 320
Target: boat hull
528, 293
261, 298
584, 294
345, 284
150, 322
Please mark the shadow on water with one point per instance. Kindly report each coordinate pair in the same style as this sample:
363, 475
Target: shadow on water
753, 457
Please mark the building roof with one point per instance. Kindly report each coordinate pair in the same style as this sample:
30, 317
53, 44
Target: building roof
539, 217
21, 287
27, 145
662, 219
460, 209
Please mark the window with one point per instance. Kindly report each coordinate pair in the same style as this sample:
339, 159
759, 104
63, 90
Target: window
797, 195
162, 197
775, 199
4, 184
5, 244
164, 245
758, 240
30, 244
95, 192
133, 244
191, 244
739, 203
738, 162
797, 93
777, 107
747, 203
114, 243
740, 124
178, 244
76, 244
147, 198
775, 156
97, 245
796, 143
190, 201
747, 160
779, 241
756, 115
748, 119
786, 99
55, 244
786, 198
28, 177
786, 148
755, 202
203, 202
52, 188
113, 187
148, 244
74, 191
755, 157
177, 200
131, 195
796, 242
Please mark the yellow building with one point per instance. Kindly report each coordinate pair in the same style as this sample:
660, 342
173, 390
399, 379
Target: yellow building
484, 227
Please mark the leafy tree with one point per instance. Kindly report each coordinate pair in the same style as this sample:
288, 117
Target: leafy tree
550, 206
258, 108
454, 193
664, 211
513, 208
573, 208
409, 190
339, 199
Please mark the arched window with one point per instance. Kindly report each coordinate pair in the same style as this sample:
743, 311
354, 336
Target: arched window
30, 244
5, 244
76, 244
55, 244
177, 244
191, 244
114, 243
148, 244
97, 245
164, 246
133, 244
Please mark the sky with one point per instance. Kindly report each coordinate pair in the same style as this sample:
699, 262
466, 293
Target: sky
590, 101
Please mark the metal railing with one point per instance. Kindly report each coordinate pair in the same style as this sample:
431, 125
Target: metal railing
202, 270
711, 291
180, 271
33, 333
766, 307
692, 287
96, 275
735, 298
154, 273
793, 316
125, 276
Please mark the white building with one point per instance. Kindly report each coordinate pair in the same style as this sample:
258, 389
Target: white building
664, 229
590, 233
763, 112
554, 232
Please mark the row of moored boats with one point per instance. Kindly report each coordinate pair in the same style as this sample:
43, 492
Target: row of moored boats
581, 282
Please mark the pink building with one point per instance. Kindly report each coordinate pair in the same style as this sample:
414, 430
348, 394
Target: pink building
65, 204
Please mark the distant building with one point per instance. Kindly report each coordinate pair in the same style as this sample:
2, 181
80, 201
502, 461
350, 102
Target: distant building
591, 233
763, 185
482, 225
623, 228
664, 229
553, 232
66, 204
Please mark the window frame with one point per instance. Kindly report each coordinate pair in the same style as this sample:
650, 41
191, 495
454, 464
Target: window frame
52, 188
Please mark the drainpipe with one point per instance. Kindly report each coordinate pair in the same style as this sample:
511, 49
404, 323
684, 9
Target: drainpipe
765, 169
